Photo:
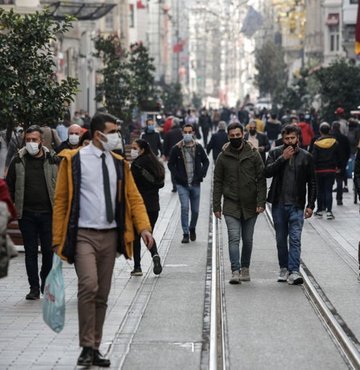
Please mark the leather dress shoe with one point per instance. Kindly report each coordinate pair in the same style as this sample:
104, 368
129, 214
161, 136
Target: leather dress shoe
86, 357
99, 359
33, 294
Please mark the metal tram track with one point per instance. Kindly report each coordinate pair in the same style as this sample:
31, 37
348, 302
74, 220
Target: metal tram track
342, 336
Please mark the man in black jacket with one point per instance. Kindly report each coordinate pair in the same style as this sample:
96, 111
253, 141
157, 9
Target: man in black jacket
292, 170
218, 140
152, 137
188, 164
344, 154
259, 141
73, 141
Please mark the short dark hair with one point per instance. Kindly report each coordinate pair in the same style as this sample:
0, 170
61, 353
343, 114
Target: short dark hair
324, 128
34, 128
234, 126
98, 122
148, 120
290, 129
188, 125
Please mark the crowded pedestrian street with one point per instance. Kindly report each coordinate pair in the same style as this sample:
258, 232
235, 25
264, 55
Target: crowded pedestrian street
162, 322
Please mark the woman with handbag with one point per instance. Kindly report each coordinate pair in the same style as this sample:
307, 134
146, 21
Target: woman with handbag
149, 175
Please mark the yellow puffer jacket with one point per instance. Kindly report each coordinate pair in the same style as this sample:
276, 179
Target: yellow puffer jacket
135, 211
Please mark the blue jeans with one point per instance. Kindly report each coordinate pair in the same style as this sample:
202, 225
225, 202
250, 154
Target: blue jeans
288, 222
189, 196
34, 227
237, 229
325, 183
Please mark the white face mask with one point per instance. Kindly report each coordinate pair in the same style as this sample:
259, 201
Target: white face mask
134, 153
112, 141
32, 148
74, 139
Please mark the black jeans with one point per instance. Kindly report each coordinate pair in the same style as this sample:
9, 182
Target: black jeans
34, 227
325, 183
153, 216
340, 179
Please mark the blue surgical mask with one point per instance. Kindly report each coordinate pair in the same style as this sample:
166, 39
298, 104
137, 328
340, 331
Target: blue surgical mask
187, 138
151, 128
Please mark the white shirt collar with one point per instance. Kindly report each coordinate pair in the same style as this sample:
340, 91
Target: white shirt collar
96, 151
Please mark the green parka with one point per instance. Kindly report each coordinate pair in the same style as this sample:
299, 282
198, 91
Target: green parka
239, 177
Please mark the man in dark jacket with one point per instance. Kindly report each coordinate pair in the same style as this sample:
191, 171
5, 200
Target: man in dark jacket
218, 140
259, 141
344, 153
205, 124
327, 163
31, 180
292, 170
188, 164
172, 138
152, 137
73, 141
239, 178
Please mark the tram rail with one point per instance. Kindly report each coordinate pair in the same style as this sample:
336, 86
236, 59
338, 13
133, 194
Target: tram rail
218, 356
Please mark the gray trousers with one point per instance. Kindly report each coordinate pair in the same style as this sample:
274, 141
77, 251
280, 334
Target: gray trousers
94, 264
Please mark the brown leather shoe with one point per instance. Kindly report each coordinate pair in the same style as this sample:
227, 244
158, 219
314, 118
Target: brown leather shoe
99, 359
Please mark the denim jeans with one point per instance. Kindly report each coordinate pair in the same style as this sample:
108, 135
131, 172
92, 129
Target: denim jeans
325, 183
189, 197
288, 223
237, 229
34, 227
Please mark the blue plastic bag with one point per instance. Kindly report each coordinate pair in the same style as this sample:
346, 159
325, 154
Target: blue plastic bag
54, 297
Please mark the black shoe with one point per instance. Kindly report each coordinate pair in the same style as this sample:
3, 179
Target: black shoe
86, 357
192, 235
185, 239
174, 190
339, 203
345, 189
99, 359
33, 295
136, 272
157, 265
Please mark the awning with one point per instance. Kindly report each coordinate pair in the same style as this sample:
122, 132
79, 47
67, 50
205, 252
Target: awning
81, 10
332, 19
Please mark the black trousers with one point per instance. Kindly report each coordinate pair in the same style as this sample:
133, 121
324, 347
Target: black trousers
153, 216
36, 226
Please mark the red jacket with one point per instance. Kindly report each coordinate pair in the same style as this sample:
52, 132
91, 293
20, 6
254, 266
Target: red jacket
5, 197
307, 133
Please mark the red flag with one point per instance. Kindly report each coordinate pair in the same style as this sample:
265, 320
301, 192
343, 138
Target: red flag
140, 5
357, 32
179, 46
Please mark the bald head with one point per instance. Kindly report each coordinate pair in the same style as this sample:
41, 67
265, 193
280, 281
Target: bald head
75, 129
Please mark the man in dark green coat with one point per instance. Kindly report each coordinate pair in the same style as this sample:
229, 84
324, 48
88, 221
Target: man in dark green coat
239, 178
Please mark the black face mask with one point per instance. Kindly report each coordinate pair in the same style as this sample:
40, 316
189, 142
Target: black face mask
236, 142
252, 132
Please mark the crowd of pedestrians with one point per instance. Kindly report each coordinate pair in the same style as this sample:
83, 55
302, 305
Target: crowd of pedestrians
78, 192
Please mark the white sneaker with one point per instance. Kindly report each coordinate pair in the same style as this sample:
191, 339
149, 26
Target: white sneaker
245, 274
329, 215
283, 275
235, 278
295, 278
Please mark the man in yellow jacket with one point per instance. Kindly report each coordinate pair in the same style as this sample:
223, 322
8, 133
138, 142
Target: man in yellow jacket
97, 205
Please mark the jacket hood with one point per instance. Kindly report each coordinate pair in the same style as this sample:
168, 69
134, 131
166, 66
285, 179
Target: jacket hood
325, 143
181, 143
248, 147
23, 151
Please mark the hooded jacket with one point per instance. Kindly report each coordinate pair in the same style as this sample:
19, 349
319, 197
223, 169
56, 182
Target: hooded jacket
239, 178
326, 154
129, 211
